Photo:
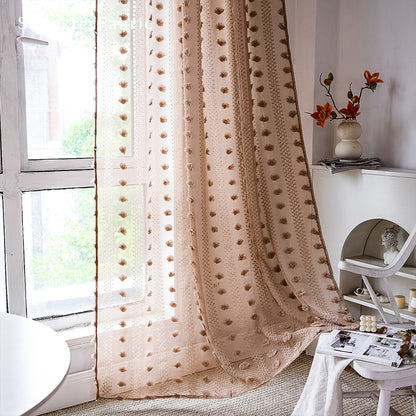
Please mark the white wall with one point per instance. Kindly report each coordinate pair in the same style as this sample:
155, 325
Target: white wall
346, 37
301, 16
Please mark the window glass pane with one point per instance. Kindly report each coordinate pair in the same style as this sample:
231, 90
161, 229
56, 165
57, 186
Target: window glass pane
3, 296
58, 47
59, 251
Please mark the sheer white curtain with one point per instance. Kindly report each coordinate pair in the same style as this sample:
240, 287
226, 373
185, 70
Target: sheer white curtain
213, 275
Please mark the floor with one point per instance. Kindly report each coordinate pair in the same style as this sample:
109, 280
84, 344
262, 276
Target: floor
277, 398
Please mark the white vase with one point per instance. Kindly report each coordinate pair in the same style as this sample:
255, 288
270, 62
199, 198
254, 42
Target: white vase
349, 148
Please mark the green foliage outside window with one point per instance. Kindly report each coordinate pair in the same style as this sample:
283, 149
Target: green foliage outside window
68, 257
79, 137
74, 17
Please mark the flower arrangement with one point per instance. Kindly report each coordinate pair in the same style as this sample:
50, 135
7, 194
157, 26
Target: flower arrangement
351, 111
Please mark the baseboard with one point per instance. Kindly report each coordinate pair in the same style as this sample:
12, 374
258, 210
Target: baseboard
76, 388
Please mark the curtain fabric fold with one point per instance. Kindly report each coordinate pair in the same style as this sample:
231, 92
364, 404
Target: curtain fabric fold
212, 272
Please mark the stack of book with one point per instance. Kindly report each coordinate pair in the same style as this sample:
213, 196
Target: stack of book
339, 165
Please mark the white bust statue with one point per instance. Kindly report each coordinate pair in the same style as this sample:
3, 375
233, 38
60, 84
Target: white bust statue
389, 241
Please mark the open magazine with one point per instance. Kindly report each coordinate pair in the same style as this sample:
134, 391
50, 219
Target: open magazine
380, 349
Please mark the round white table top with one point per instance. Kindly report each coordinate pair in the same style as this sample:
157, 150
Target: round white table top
34, 360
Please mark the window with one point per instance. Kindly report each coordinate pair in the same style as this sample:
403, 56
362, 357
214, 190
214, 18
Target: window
58, 247
47, 122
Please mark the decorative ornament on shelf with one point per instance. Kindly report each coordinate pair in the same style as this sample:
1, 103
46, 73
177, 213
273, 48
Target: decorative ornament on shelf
349, 130
389, 240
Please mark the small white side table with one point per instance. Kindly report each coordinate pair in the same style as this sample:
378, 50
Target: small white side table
34, 360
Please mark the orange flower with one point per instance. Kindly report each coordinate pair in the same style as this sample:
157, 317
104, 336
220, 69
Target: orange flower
351, 111
322, 114
355, 99
372, 79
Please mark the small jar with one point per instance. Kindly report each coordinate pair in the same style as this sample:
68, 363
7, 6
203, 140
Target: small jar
412, 300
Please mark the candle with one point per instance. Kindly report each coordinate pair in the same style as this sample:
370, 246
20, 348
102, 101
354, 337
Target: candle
412, 300
400, 299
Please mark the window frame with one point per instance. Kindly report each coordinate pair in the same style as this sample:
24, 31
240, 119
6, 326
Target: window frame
19, 174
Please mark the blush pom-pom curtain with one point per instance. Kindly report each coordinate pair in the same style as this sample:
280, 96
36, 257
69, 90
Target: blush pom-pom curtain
212, 272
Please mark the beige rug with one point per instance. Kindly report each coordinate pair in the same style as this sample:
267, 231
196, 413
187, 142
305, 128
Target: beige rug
278, 398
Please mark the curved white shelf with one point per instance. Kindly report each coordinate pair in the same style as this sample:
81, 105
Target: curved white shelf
409, 272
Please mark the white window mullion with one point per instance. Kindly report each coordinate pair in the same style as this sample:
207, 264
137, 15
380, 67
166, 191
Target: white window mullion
10, 83
15, 274
56, 164
34, 181
11, 112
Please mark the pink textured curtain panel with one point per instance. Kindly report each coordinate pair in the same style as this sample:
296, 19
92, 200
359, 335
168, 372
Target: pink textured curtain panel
212, 272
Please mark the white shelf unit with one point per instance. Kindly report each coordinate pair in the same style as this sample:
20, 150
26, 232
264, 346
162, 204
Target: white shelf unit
363, 247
